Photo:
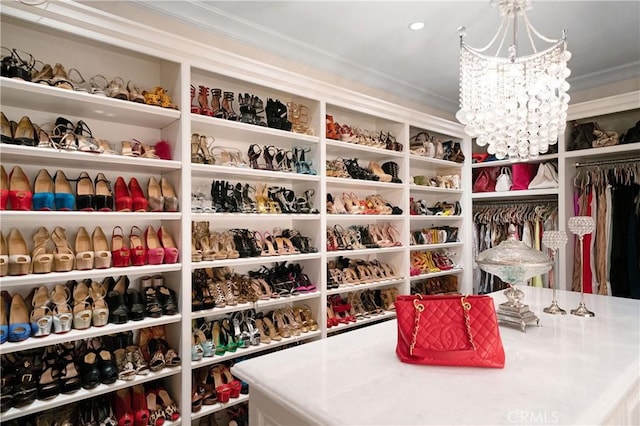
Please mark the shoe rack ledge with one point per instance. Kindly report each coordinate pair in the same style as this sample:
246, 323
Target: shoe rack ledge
240, 352
254, 260
82, 394
54, 158
74, 335
364, 286
386, 315
431, 217
259, 216
417, 247
436, 274
260, 304
208, 170
434, 189
79, 275
435, 162
22, 94
526, 193
207, 410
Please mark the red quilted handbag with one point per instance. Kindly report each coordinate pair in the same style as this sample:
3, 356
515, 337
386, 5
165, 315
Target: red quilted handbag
449, 330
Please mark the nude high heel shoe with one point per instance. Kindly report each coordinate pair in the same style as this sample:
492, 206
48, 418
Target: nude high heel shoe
102, 254
169, 196
154, 193
19, 259
41, 315
84, 250
4, 257
42, 256
63, 257
100, 309
82, 313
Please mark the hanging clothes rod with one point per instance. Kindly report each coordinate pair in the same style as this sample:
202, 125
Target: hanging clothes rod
603, 162
546, 200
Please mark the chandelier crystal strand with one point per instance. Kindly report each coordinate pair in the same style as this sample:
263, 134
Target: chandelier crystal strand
515, 105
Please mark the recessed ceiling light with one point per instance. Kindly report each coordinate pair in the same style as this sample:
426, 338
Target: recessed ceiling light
416, 26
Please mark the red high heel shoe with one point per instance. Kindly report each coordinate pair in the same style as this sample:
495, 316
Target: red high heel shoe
120, 253
139, 405
122, 407
20, 192
124, 202
140, 202
155, 252
138, 251
4, 189
169, 246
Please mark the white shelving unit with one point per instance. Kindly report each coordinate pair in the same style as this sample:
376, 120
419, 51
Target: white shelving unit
149, 57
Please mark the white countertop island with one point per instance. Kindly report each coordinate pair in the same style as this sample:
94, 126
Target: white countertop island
571, 370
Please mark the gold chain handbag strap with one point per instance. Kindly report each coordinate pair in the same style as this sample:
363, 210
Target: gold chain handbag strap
466, 307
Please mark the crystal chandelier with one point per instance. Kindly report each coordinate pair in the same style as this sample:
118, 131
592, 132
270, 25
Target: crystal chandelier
514, 105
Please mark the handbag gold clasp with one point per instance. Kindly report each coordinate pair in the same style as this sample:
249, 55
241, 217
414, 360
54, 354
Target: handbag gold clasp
465, 305
416, 305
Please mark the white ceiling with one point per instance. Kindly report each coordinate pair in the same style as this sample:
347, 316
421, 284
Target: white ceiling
369, 41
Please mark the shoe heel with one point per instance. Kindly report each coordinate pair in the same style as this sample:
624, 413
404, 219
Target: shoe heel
42, 264
4, 265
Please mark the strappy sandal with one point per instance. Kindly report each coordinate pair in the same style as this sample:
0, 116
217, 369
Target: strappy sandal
60, 78
116, 89
99, 85
85, 139
135, 94
79, 84
131, 148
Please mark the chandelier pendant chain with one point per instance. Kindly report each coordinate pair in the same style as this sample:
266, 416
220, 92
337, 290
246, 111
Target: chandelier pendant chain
514, 105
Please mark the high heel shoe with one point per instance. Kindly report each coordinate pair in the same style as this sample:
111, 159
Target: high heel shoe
4, 188
42, 256
121, 402
7, 130
169, 196
19, 259
20, 193
138, 251
82, 313
25, 133
139, 406
62, 313
124, 202
99, 306
41, 316
43, 198
120, 253
103, 199
4, 257
102, 254
64, 198
140, 203
203, 101
169, 246
85, 193
118, 310
156, 201
19, 327
155, 252
84, 250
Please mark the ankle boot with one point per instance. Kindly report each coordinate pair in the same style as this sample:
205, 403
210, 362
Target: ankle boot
203, 100
227, 106
218, 111
391, 168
